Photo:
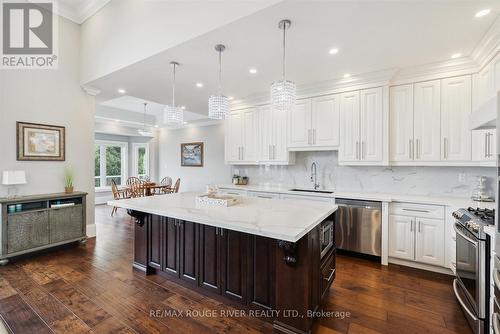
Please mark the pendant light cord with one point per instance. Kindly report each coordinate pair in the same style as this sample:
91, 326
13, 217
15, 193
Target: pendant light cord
144, 123
173, 89
220, 72
284, 50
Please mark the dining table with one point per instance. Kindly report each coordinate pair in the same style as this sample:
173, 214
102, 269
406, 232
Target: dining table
150, 188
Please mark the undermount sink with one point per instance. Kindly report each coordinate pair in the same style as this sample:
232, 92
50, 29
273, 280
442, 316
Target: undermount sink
313, 191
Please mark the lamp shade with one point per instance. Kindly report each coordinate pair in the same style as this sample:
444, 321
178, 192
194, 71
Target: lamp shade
12, 177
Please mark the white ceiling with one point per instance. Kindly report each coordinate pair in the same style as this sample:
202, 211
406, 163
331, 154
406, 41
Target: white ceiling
80, 10
371, 36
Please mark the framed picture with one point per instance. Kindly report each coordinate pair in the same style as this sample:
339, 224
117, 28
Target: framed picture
40, 142
192, 154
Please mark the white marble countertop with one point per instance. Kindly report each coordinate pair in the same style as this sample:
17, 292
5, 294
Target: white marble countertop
278, 219
457, 202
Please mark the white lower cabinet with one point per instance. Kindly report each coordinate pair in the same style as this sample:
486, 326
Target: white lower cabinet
417, 233
401, 237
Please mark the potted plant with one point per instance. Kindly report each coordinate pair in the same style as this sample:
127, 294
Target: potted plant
68, 180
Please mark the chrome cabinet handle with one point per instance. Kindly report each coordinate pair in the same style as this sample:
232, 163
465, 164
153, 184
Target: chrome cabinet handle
314, 136
274, 152
269, 152
242, 153
410, 146
417, 143
411, 225
221, 232
363, 151
415, 210
262, 196
486, 145
445, 148
357, 150
419, 225
329, 278
309, 136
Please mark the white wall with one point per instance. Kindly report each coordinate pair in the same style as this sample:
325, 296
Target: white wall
214, 170
50, 97
127, 31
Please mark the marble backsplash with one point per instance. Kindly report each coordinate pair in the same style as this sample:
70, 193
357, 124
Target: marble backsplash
427, 181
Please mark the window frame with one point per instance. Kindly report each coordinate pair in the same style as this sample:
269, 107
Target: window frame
135, 159
102, 163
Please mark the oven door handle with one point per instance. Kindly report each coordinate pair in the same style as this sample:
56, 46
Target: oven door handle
464, 236
464, 307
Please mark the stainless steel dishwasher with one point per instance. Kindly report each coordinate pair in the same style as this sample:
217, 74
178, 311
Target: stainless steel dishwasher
358, 226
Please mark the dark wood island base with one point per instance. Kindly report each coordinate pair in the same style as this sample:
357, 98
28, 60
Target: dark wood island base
288, 280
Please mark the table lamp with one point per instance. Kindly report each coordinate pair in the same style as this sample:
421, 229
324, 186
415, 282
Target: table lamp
12, 178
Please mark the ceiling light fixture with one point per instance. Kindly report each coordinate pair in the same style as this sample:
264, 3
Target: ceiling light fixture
456, 55
283, 92
144, 131
252, 70
347, 75
121, 91
483, 12
231, 98
173, 115
218, 105
199, 84
333, 51
183, 107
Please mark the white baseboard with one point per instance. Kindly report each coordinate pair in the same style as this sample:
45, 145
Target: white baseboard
91, 231
421, 266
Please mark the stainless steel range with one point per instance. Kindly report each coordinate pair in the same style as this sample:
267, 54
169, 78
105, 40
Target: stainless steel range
472, 281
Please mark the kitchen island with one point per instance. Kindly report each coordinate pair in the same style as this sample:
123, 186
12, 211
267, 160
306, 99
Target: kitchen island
260, 254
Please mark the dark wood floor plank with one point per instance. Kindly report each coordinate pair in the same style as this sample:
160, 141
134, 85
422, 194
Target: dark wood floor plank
21, 318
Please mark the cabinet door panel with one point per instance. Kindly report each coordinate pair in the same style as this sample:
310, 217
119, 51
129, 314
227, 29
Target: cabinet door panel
171, 247
261, 272
66, 223
349, 126
371, 146
401, 120
430, 241
210, 258
455, 110
234, 265
188, 251
427, 126
279, 149
249, 145
300, 124
484, 144
155, 241
233, 139
265, 139
325, 120
27, 230
401, 237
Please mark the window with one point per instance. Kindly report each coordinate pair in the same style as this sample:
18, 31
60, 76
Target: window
140, 157
110, 163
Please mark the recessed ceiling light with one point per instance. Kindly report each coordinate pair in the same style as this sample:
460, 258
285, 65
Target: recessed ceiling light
231, 98
121, 91
456, 55
117, 120
185, 123
483, 12
183, 107
347, 75
199, 84
333, 51
156, 125
252, 70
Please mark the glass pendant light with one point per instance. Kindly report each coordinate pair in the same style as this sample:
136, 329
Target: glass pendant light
218, 105
144, 131
173, 115
283, 93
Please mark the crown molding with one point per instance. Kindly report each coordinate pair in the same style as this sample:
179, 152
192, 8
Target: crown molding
80, 14
91, 90
489, 46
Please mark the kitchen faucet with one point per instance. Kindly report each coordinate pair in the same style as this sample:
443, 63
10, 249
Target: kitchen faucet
314, 175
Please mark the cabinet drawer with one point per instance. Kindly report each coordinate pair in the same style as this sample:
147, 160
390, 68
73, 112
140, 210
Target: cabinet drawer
327, 274
417, 210
308, 198
262, 194
229, 191
27, 230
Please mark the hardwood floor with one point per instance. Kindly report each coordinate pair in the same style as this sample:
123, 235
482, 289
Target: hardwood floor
92, 289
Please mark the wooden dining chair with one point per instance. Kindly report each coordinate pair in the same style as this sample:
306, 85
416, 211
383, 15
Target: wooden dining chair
167, 182
134, 186
117, 195
175, 189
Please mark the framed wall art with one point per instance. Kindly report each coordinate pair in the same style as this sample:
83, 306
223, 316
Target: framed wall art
40, 142
192, 154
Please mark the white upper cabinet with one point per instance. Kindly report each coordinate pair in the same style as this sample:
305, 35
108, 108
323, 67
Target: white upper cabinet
484, 146
371, 136
455, 110
241, 137
483, 86
325, 121
427, 130
350, 128
272, 142
401, 123
314, 124
300, 125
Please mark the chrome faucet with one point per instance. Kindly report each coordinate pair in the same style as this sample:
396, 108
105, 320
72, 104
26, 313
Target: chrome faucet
314, 175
